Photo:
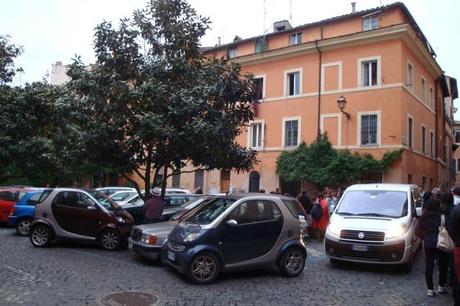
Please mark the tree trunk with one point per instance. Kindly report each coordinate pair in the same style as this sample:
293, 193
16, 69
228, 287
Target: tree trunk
163, 183
148, 169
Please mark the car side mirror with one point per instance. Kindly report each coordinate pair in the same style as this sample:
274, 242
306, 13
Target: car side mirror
232, 222
91, 207
418, 211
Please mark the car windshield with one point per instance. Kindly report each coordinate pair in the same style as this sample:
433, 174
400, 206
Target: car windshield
377, 203
104, 200
123, 195
210, 211
193, 202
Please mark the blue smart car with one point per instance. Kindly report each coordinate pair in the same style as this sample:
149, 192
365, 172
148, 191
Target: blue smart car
24, 211
238, 232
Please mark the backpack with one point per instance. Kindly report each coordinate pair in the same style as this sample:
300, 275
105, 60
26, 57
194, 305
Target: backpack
316, 211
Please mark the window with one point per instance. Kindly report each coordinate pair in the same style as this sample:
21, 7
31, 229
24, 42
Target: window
410, 129
35, 199
458, 165
423, 140
431, 97
256, 135
410, 76
261, 44
291, 133
293, 83
409, 179
369, 73
370, 22
457, 137
259, 86
231, 52
7, 196
255, 211
368, 130
423, 89
431, 143
199, 179
73, 199
176, 179
295, 38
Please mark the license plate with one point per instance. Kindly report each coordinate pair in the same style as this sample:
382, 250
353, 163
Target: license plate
130, 245
359, 247
171, 256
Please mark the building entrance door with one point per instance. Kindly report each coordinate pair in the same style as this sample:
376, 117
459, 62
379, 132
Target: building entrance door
254, 181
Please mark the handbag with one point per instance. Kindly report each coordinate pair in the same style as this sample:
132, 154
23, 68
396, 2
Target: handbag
445, 242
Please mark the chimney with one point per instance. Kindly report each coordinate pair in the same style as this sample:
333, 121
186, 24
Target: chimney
218, 41
353, 7
281, 26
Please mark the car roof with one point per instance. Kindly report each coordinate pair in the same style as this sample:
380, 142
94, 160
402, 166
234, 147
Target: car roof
238, 196
394, 187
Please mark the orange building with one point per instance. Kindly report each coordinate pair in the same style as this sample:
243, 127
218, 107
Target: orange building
380, 62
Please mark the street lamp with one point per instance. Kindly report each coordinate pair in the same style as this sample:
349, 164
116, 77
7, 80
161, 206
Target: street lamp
341, 103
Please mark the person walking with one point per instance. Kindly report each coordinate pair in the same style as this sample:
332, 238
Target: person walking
456, 193
427, 229
447, 204
320, 216
453, 227
153, 209
305, 201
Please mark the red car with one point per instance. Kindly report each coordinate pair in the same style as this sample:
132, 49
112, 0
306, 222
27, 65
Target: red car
8, 198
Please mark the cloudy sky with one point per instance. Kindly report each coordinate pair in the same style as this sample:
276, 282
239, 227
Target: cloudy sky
56, 30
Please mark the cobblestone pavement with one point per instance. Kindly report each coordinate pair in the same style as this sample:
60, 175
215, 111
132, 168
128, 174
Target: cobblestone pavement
69, 274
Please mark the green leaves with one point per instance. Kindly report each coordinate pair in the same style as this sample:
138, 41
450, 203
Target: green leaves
321, 164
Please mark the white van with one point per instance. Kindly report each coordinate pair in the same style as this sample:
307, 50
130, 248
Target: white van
375, 223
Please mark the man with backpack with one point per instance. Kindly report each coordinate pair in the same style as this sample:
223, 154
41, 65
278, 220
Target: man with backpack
320, 216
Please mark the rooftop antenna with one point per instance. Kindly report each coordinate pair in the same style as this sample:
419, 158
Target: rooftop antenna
265, 16
290, 11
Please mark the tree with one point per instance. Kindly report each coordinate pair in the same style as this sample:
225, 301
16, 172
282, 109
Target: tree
320, 164
152, 101
8, 52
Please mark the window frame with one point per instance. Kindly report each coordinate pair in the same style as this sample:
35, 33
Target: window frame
295, 38
370, 17
197, 178
262, 134
379, 128
423, 139
458, 165
286, 81
423, 88
258, 48
410, 131
263, 77
360, 67
176, 178
231, 52
410, 75
431, 97
260, 220
283, 130
432, 146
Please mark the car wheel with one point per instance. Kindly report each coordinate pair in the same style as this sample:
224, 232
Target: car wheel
110, 239
41, 236
204, 268
23, 226
292, 262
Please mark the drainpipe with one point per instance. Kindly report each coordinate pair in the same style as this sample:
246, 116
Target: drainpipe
318, 128
436, 106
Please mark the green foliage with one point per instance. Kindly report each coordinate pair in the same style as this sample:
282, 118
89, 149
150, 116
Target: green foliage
8, 52
152, 101
320, 164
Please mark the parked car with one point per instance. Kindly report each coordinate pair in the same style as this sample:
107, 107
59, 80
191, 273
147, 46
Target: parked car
80, 214
23, 212
237, 232
375, 223
147, 240
122, 197
172, 203
8, 198
108, 191
177, 191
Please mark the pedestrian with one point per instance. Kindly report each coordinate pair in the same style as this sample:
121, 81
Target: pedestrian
447, 204
436, 193
428, 229
277, 191
320, 216
198, 190
262, 190
305, 201
330, 201
456, 193
153, 208
453, 227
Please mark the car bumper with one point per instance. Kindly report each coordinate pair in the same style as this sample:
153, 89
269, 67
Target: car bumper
152, 252
397, 252
12, 220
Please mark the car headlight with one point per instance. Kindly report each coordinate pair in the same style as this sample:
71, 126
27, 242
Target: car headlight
149, 239
334, 229
191, 237
396, 231
120, 219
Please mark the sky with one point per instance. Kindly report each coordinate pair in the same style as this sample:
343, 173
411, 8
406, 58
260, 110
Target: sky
57, 30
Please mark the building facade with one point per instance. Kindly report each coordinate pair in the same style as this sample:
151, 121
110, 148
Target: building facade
379, 61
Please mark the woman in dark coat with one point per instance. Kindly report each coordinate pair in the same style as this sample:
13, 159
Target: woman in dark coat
428, 229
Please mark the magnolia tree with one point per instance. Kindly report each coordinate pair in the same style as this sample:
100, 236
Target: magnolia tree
152, 102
